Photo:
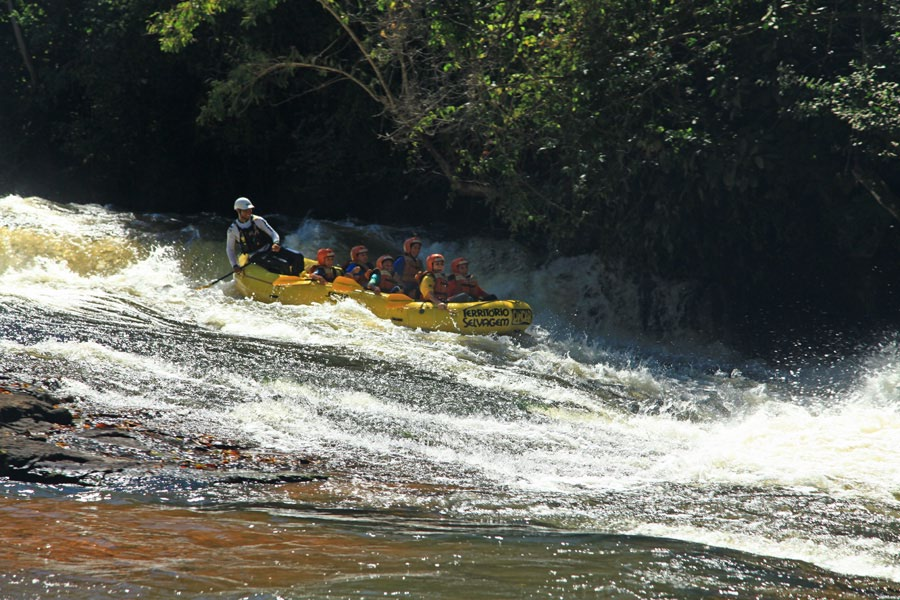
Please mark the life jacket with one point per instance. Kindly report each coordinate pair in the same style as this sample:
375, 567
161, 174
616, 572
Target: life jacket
441, 285
329, 273
387, 282
251, 238
361, 276
465, 285
412, 266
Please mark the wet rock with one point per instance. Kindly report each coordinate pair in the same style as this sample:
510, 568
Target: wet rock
270, 478
42, 442
27, 448
15, 407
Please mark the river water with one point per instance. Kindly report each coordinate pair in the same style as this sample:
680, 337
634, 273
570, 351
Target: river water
571, 462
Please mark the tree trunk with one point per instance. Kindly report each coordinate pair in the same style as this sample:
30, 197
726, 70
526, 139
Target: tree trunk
879, 190
20, 42
475, 189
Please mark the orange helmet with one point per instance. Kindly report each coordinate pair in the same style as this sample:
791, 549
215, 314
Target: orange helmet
379, 264
356, 251
409, 242
429, 262
457, 263
324, 253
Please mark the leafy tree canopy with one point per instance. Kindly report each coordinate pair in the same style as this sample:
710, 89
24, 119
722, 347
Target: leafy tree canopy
705, 139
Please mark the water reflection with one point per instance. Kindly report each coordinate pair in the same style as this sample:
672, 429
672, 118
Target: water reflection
82, 549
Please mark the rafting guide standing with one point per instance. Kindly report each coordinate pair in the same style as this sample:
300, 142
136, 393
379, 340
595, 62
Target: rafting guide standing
253, 236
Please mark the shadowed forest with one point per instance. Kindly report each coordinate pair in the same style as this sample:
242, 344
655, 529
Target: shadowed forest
747, 147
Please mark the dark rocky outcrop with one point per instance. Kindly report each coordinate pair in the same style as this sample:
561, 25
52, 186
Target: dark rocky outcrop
29, 425
41, 441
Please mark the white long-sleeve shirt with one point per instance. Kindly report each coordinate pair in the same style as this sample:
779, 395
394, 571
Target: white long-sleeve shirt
233, 241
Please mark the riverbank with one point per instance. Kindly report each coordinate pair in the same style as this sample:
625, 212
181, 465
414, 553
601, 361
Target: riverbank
44, 439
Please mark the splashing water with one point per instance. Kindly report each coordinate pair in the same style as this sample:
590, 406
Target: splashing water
552, 435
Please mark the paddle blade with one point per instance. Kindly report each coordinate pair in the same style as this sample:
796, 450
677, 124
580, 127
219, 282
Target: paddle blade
288, 280
403, 298
346, 283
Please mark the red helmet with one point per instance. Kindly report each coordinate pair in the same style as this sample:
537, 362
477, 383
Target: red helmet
429, 262
356, 251
323, 254
379, 264
409, 242
457, 263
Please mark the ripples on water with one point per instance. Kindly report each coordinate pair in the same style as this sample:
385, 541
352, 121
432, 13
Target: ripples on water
554, 465
299, 550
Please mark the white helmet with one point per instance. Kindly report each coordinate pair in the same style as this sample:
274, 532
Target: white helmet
242, 204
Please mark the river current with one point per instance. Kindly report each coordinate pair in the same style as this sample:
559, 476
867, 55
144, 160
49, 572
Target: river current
570, 462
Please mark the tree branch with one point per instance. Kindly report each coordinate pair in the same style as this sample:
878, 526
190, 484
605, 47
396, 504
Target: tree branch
362, 49
325, 69
468, 188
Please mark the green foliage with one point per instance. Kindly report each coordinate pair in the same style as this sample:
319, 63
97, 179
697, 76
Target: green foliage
868, 105
29, 15
658, 131
176, 27
693, 139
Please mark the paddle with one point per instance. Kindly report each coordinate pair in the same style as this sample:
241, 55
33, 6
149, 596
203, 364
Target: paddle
243, 260
398, 298
283, 280
347, 283
212, 283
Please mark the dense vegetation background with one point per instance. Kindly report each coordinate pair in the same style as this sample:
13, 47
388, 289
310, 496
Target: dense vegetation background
749, 147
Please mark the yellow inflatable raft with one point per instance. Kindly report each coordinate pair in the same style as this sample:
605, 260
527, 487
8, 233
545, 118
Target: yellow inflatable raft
473, 318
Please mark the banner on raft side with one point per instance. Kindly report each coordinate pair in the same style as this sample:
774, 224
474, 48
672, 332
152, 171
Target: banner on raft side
496, 317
